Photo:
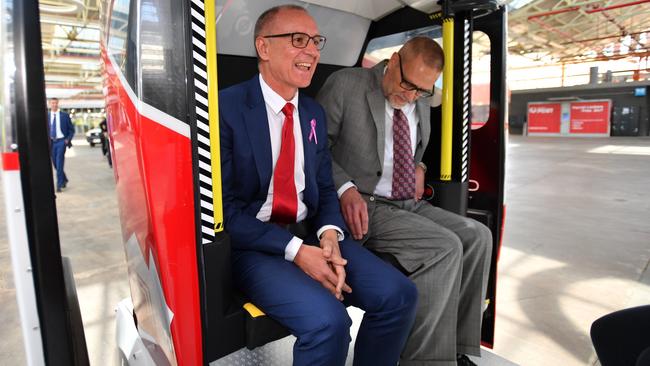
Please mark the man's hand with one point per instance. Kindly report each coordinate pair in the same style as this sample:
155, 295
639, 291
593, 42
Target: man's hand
355, 212
312, 261
419, 183
332, 253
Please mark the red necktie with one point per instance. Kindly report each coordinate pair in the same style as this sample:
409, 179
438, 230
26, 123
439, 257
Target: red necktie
403, 160
285, 199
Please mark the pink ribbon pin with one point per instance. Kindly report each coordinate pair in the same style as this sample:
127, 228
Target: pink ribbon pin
313, 131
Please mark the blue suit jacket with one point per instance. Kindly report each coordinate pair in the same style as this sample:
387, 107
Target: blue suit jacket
65, 124
246, 168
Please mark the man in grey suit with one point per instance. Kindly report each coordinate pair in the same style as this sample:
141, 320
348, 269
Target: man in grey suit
378, 127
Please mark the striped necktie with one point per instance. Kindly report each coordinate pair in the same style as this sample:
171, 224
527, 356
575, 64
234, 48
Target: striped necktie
403, 160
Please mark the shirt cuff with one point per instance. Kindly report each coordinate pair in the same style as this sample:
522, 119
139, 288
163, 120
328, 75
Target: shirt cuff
292, 248
344, 188
339, 232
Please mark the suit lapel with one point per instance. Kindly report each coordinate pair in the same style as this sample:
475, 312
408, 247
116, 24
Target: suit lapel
257, 126
309, 148
377, 105
305, 129
423, 110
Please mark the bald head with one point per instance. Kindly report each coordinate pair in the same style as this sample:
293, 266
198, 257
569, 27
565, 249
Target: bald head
426, 48
269, 16
412, 71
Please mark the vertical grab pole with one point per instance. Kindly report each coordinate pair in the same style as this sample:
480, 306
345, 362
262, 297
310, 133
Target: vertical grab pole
213, 112
447, 99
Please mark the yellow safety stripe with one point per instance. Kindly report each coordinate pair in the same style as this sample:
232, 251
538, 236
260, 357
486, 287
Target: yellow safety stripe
253, 310
446, 128
213, 112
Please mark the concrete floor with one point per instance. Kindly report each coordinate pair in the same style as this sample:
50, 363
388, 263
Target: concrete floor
576, 246
90, 234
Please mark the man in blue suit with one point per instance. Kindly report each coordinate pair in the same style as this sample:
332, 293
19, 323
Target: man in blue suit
61, 132
291, 252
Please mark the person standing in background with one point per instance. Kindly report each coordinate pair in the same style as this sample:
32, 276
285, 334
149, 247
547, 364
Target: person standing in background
61, 132
106, 150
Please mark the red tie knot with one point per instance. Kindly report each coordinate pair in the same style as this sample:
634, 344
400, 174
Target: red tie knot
288, 110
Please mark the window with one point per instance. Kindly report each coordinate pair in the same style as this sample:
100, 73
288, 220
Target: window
383, 47
480, 79
163, 56
121, 40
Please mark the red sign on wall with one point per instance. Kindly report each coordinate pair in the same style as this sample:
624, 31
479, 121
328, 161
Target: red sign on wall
544, 117
590, 117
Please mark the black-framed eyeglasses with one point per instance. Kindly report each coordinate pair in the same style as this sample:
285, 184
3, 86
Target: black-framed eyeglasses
407, 85
301, 40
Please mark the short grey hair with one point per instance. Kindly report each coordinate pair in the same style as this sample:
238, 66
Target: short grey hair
425, 47
269, 15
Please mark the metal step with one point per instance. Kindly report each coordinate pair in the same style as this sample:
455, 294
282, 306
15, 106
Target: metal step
280, 352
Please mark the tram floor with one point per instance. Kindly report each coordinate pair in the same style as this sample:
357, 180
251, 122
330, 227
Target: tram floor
576, 246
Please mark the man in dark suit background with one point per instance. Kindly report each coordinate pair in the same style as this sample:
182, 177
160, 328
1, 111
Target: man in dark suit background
291, 253
61, 132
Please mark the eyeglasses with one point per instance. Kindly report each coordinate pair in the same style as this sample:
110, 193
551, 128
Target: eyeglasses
301, 40
407, 85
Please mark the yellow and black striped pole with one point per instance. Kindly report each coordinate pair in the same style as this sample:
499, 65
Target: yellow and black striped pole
446, 128
213, 108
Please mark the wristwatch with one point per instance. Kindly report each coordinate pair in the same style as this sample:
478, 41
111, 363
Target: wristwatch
423, 166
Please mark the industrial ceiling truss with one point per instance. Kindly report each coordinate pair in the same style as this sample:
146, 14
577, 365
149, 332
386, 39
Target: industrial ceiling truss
577, 31
547, 31
70, 39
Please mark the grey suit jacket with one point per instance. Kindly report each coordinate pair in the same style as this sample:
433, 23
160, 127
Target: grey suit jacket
355, 105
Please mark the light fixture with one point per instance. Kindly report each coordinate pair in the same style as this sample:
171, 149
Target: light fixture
59, 8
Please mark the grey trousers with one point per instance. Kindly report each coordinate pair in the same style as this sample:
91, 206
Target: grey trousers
448, 259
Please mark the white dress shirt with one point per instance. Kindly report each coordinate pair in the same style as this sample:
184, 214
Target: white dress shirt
57, 125
274, 104
385, 185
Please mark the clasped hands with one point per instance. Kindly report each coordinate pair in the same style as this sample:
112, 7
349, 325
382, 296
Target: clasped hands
325, 264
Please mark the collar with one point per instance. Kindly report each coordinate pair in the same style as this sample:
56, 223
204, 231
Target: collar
273, 99
406, 109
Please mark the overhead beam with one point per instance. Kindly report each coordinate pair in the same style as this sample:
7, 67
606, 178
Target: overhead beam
553, 12
618, 6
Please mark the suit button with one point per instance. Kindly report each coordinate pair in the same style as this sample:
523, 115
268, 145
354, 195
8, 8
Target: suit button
379, 173
372, 198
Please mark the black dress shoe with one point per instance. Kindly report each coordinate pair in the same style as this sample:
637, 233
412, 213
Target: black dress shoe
64, 185
463, 360
59, 189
